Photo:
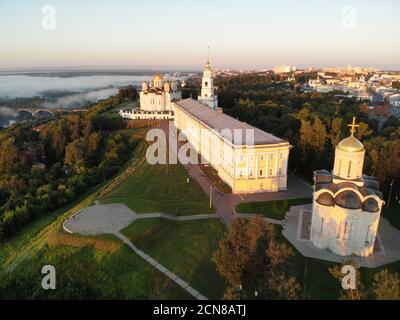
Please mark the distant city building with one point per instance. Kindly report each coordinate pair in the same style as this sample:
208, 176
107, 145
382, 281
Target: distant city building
394, 100
350, 70
351, 85
380, 112
284, 69
385, 91
346, 203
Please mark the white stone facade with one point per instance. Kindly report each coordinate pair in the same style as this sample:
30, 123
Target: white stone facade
158, 95
208, 96
347, 204
259, 166
342, 230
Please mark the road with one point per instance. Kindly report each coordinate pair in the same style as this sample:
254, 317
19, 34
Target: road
225, 203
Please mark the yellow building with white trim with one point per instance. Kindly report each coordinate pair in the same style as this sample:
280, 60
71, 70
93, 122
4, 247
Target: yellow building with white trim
247, 159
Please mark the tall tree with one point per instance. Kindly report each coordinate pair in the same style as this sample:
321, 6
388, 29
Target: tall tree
336, 131
386, 285
251, 260
75, 155
8, 156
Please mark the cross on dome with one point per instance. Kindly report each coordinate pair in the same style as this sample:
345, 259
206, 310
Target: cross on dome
353, 127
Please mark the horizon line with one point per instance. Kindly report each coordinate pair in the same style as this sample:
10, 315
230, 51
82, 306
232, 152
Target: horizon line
171, 69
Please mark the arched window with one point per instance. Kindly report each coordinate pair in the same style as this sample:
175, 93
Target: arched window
340, 166
206, 95
340, 230
206, 84
349, 169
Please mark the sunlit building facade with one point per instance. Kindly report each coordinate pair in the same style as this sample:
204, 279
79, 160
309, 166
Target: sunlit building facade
347, 204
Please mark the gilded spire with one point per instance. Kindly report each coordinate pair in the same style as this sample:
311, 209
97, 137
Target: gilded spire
208, 65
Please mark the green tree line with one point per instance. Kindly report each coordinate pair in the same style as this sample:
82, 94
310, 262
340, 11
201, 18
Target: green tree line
45, 167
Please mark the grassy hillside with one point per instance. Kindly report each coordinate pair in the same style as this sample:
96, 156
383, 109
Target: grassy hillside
158, 188
102, 267
271, 209
184, 248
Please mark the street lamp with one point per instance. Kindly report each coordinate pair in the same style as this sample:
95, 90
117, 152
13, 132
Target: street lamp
390, 193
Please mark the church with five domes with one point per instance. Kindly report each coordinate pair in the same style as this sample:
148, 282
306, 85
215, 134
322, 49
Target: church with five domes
158, 95
247, 159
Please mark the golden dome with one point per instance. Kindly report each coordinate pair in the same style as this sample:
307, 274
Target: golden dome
167, 86
158, 76
351, 144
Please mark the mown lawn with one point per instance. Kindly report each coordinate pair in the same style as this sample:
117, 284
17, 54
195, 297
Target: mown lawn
184, 248
271, 209
161, 188
88, 273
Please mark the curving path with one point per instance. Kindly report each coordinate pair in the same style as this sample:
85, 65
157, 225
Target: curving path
112, 218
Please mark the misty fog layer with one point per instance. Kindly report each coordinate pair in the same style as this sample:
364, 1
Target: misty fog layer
60, 92
7, 116
22, 86
73, 92
80, 99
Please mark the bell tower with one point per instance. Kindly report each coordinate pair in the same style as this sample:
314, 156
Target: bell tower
208, 96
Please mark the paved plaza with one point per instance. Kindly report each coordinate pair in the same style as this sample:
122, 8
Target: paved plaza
297, 230
112, 218
100, 219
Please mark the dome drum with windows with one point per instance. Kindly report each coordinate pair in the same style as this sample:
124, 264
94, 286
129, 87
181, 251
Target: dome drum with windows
349, 157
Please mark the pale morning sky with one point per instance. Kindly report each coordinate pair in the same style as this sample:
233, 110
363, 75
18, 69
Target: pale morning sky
175, 34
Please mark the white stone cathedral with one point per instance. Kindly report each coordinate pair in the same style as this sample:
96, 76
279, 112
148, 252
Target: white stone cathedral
347, 204
158, 95
208, 96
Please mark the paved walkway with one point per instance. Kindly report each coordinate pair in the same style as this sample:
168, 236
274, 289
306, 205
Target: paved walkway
161, 268
176, 218
269, 220
297, 231
112, 218
225, 203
